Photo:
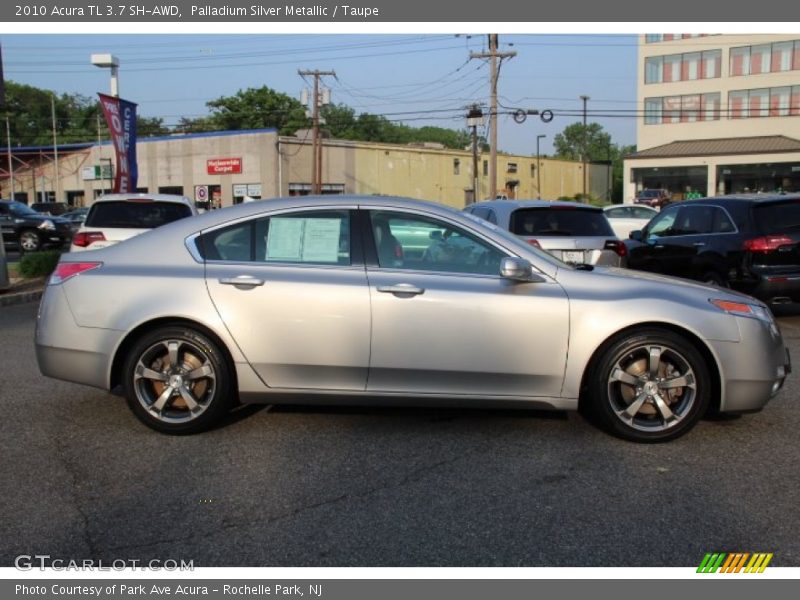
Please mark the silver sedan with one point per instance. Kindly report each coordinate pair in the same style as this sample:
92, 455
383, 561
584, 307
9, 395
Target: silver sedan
390, 301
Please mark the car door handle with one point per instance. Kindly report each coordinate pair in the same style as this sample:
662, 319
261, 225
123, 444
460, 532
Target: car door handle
659, 246
401, 288
243, 281
698, 244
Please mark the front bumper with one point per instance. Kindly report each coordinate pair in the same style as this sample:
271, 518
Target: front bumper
753, 370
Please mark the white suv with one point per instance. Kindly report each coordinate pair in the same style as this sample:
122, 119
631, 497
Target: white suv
116, 217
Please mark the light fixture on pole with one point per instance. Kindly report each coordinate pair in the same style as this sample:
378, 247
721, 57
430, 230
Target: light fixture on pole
539, 167
109, 61
474, 118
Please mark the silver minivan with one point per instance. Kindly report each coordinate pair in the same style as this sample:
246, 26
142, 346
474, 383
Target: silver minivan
575, 233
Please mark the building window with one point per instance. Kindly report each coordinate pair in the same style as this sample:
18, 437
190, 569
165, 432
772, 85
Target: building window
689, 108
456, 166
765, 58
764, 102
485, 167
652, 111
652, 38
683, 67
672, 109
652, 69
710, 106
511, 168
711, 64
533, 170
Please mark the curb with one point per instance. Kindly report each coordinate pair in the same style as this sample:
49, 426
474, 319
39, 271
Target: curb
20, 297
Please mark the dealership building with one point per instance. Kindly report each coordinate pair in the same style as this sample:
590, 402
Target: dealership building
721, 115
226, 167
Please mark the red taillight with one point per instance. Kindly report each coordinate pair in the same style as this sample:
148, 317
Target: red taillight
767, 243
65, 270
617, 246
84, 238
535, 244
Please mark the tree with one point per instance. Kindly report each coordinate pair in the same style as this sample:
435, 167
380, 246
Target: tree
570, 142
150, 127
257, 108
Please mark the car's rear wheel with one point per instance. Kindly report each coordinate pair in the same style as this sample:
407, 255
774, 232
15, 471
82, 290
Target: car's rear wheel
649, 386
30, 240
177, 381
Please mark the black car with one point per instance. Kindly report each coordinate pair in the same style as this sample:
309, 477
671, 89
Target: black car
31, 230
51, 208
750, 243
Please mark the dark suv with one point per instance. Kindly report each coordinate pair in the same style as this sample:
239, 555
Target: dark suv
750, 243
31, 230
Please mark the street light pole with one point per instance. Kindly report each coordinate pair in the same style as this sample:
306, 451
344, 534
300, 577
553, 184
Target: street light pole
107, 61
583, 144
539, 167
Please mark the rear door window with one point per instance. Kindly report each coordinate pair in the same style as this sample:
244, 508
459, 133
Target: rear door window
135, 215
560, 222
318, 237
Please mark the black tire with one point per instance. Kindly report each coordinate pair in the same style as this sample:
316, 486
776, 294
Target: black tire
670, 411
714, 278
201, 376
30, 240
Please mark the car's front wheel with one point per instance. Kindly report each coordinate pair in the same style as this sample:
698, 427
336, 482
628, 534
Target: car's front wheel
650, 385
177, 381
30, 240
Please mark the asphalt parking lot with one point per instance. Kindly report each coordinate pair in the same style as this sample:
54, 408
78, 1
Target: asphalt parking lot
383, 487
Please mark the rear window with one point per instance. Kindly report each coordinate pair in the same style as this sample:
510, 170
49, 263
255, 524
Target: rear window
556, 221
135, 215
778, 217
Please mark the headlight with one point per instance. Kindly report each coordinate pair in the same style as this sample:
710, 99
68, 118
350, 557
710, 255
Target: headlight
743, 309
47, 224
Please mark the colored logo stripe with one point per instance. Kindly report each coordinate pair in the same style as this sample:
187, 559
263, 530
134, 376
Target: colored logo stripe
734, 562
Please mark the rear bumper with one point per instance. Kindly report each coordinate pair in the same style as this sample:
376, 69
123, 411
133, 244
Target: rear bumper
67, 351
776, 289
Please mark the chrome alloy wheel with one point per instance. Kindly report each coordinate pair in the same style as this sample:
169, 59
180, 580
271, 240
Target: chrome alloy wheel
652, 388
29, 241
174, 381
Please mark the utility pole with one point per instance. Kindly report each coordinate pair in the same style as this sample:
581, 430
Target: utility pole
583, 145
539, 167
316, 164
493, 55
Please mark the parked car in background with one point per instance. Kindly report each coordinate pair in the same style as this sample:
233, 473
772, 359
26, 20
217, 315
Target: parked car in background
30, 230
117, 217
51, 208
748, 242
575, 233
625, 218
654, 198
301, 300
76, 217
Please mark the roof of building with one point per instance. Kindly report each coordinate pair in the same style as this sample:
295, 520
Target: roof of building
765, 144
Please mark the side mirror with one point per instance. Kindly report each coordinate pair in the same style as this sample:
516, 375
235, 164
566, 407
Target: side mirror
636, 235
518, 269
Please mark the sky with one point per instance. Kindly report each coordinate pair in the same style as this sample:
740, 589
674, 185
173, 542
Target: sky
418, 79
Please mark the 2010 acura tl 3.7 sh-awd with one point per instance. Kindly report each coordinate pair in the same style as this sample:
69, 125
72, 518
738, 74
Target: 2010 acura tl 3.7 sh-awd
393, 301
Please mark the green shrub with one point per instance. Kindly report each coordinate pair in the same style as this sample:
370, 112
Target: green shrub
38, 264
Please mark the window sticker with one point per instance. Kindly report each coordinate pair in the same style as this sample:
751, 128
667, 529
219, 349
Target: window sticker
303, 240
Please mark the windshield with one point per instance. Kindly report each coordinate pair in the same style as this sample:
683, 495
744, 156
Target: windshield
18, 209
135, 215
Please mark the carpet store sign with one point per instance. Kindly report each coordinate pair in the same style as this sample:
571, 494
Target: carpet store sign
224, 166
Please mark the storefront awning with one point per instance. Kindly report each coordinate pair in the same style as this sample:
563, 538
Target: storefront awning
767, 144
